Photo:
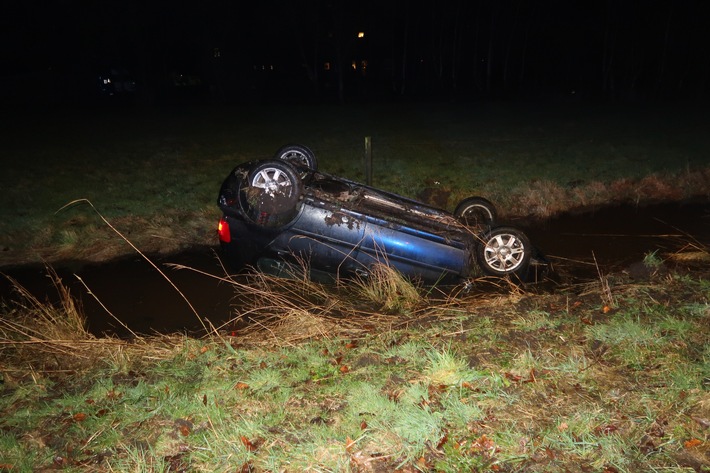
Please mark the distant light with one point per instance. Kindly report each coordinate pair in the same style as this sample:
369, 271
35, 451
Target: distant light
354, 66
361, 34
326, 66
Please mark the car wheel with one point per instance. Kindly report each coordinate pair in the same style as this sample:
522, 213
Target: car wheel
299, 156
504, 251
474, 211
271, 196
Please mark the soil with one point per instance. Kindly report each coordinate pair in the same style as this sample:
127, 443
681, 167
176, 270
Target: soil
578, 245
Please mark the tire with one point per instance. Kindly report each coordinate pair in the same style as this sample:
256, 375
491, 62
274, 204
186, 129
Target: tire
475, 211
298, 156
271, 194
504, 251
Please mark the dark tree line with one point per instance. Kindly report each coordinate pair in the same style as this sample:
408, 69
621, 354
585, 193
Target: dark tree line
617, 49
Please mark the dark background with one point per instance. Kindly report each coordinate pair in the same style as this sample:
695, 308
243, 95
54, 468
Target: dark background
62, 52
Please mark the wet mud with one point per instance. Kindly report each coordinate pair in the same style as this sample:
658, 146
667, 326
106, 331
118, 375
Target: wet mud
577, 244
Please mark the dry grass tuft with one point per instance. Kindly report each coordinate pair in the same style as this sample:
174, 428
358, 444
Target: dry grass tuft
65, 322
691, 253
290, 310
389, 289
50, 337
541, 199
299, 326
286, 311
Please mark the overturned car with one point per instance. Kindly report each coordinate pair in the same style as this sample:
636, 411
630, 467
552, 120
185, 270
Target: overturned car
282, 214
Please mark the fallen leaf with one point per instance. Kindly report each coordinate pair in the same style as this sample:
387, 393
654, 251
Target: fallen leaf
246, 468
349, 444
344, 369
79, 417
513, 377
606, 309
692, 443
606, 429
183, 426
248, 444
351, 345
442, 441
241, 386
204, 349
531, 376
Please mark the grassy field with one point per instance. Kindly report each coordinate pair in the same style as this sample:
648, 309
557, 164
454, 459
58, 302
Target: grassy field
612, 376
155, 173
608, 376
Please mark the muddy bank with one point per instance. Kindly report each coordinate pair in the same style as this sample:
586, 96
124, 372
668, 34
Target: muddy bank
133, 291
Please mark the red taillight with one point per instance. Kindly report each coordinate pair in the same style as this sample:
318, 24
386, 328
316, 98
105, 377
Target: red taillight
223, 231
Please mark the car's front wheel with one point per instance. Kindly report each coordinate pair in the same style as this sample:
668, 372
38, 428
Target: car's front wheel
298, 155
504, 251
474, 211
271, 196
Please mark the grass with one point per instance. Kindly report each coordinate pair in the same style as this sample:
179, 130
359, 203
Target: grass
497, 382
155, 173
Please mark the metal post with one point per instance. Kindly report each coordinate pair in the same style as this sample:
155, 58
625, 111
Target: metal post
368, 160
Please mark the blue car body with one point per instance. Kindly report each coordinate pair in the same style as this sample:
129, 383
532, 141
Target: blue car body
342, 228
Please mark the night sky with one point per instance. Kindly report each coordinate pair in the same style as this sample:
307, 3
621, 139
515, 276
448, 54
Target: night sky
233, 51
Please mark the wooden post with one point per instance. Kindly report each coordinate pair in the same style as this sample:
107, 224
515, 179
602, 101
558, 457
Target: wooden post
368, 160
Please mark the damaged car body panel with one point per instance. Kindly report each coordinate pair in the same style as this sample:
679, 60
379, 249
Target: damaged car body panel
280, 212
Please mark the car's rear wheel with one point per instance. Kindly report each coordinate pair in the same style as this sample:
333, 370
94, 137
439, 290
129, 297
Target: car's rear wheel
298, 155
271, 196
504, 251
474, 211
